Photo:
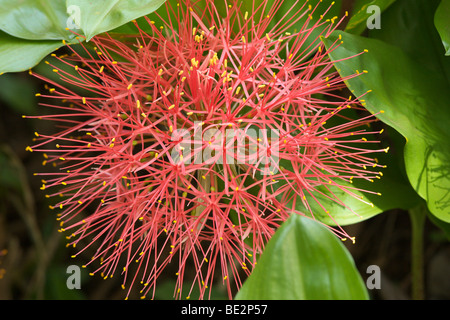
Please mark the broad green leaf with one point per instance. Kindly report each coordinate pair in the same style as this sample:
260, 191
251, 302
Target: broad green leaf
441, 20
362, 11
304, 261
415, 101
30, 26
20, 54
414, 21
103, 15
35, 19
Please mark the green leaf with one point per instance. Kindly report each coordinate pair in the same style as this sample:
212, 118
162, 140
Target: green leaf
358, 20
415, 103
32, 29
20, 54
441, 21
35, 20
414, 20
304, 261
103, 15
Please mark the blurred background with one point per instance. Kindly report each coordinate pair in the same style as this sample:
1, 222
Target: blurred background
34, 257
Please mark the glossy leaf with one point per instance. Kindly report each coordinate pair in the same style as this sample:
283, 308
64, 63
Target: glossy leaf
414, 21
441, 20
19, 54
103, 15
30, 26
304, 261
415, 102
35, 20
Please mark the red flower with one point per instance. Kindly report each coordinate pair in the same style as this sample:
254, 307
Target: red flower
197, 141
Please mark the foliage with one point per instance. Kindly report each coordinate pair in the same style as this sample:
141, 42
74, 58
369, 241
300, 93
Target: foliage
404, 80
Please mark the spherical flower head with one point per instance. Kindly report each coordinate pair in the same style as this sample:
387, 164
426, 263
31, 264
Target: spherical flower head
196, 138
2, 270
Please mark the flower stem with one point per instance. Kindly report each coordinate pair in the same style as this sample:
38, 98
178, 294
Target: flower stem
417, 216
